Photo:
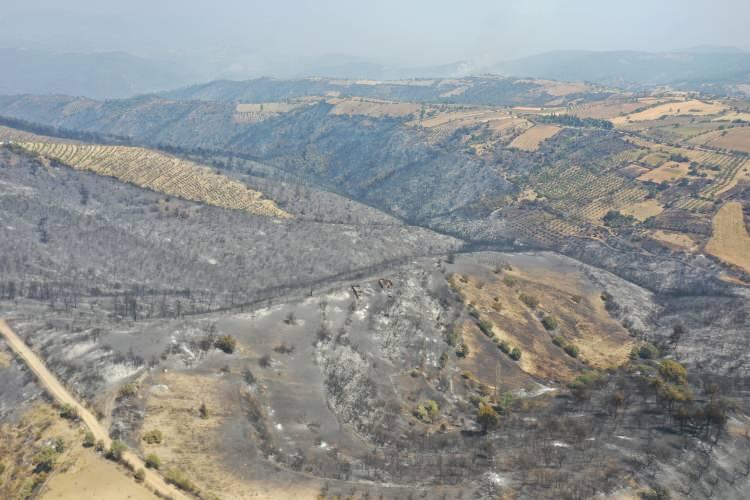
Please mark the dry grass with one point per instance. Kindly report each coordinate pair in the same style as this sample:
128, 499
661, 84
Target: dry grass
643, 210
679, 241
92, 477
373, 108
737, 139
669, 172
607, 110
160, 172
692, 107
582, 319
194, 445
78, 473
730, 241
531, 139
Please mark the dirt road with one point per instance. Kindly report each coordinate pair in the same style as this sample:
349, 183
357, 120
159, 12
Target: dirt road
153, 479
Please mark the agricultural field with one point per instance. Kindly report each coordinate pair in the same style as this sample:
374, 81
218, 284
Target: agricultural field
257, 112
373, 108
730, 241
735, 139
693, 107
531, 139
159, 172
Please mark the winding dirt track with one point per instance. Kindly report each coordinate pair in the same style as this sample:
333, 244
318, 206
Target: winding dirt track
153, 479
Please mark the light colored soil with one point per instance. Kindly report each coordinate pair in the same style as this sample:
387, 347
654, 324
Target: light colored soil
634, 170
373, 108
643, 210
679, 240
730, 241
669, 171
94, 478
602, 341
559, 89
692, 107
60, 394
193, 444
728, 117
531, 139
737, 139
607, 110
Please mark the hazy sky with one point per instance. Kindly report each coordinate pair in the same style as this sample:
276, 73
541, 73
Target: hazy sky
413, 32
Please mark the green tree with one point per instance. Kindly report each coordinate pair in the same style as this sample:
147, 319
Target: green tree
226, 343
487, 417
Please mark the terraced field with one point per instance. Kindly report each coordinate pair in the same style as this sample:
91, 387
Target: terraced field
159, 172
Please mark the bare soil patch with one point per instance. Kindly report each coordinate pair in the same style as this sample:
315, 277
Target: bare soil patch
531, 139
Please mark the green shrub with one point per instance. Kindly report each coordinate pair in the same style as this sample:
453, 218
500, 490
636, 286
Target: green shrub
427, 410
530, 300
153, 436
487, 417
129, 390
549, 323
153, 461
486, 327
571, 350
504, 346
226, 343
648, 351
673, 371
515, 354
89, 440
116, 450
453, 338
140, 475
509, 281
179, 479
69, 412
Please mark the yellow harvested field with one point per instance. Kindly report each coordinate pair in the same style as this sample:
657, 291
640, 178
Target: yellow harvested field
679, 240
159, 172
94, 478
531, 139
643, 210
669, 171
730, 241
737, 139
734, 115
692, 107
607, 110
463, 117
373, 108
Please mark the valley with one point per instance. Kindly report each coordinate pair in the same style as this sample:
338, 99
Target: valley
481, 287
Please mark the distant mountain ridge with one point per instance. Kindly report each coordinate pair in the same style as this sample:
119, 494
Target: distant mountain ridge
95, 75
700, 65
